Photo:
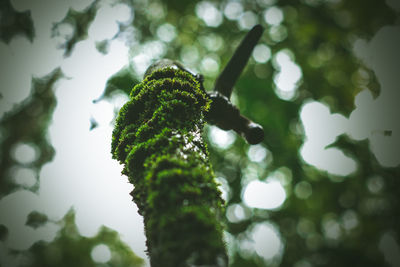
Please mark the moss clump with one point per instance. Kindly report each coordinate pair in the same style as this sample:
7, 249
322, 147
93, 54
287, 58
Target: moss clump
158, 139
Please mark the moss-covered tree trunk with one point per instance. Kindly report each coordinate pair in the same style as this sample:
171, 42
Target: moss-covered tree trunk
158, 139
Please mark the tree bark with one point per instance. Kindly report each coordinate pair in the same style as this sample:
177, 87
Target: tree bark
158, 139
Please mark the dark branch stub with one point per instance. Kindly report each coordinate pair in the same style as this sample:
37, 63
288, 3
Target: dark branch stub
222, 112
226, 116
228, 77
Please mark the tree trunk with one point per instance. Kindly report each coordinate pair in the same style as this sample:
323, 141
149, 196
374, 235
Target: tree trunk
158, 139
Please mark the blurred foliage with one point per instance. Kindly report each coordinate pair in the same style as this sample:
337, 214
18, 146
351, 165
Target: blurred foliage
27, 123
122, 80
13, 23
319, 34
80, 21
69, 248
36, 219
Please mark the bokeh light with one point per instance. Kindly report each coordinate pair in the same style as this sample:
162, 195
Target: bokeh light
209, 66
267, 239
247, 20
233, 10
212, 42
224, 187
101, 253
303, 190
288, 77
390, 248
273, 16
375, 184
166, 32
261, 53
25, 177
209, 13
220, 138
264, 195
236, 213
257, 153
25, 153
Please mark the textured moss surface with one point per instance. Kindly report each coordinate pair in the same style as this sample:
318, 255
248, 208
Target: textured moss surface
158, 139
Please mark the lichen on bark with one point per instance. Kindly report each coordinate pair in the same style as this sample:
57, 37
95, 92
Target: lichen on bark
157, 137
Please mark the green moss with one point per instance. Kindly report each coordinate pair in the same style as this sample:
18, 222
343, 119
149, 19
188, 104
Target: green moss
158, 139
